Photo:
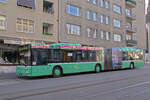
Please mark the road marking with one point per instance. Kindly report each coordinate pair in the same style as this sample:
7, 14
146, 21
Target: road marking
115, 90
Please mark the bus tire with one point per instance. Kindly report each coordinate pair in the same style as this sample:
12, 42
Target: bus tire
57, 72
132, 66
98, 68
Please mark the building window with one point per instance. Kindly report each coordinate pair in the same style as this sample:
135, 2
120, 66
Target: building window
94, 16
117, 37
94, 1
48, 7
105, 35
89, 31
31, 26
19, 25
95, 33
88, 14
3, 1
24, 25
107, 20
107, 4
102, 19
117, 23
73, 10
47, 29
128, 37
128, 12
26, 3
117, 9
73, 29
89, 0
104, 3
92, 33
2, 22
102, 35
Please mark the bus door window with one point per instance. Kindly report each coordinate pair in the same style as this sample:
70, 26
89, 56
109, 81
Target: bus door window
99, 55
25, 55
130, 56
139, 55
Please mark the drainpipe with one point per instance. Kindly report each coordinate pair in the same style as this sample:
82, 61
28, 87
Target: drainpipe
58, 21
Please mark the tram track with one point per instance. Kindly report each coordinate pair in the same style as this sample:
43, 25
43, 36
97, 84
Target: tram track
66, 87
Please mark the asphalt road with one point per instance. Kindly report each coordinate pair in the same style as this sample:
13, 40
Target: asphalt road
113, 85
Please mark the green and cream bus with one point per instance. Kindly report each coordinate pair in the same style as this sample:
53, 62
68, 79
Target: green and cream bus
64, 58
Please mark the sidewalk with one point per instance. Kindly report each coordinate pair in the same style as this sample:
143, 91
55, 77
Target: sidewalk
7, 69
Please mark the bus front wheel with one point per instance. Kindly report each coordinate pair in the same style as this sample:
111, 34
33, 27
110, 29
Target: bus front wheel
57, 72
97, 68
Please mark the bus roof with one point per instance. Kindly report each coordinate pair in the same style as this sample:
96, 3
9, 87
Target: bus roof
73, 46
64, 44
130, 49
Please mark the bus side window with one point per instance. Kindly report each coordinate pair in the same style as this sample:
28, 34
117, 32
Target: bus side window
79, 56
84, 56
68, 55
56, 56
125, 56
92, 56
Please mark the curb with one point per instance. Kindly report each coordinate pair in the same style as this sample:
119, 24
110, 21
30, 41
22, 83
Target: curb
7, 69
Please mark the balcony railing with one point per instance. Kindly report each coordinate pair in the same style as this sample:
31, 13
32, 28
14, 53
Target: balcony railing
131, 16
131, 29
131, 3
131, 42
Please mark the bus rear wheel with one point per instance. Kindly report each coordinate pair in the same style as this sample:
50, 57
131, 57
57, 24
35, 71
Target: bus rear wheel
97, 68
57, 72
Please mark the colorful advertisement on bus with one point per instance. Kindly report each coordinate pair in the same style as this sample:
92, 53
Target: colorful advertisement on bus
116, 57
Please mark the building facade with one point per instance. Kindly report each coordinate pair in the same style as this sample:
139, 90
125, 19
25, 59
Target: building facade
26, 21
147, 56
105, 23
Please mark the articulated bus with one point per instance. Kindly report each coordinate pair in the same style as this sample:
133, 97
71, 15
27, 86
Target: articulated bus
63, 58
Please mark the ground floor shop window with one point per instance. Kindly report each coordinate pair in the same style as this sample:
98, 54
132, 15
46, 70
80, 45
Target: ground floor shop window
8, 56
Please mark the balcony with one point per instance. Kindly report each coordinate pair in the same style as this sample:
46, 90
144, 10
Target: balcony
131, 3
131, 16
131, 42
26, 3
131, 29
48, 7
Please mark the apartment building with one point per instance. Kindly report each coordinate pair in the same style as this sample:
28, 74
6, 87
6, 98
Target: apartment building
105, 23
147, 56
26, 21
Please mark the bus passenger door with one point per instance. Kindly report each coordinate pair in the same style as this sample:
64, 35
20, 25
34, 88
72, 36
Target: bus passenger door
108, 59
